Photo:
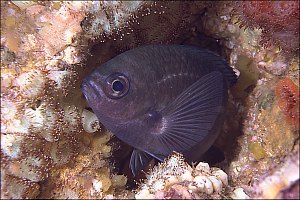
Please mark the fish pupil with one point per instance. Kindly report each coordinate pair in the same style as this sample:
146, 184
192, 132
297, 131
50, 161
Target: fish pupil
117, 86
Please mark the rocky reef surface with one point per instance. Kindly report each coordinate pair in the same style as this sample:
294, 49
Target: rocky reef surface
53, 146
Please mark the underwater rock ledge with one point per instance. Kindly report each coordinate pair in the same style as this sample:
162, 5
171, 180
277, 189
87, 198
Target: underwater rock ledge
53, 146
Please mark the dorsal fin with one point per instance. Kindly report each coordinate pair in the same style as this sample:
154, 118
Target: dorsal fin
219, 64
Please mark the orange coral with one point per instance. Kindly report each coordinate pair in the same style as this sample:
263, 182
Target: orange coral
287, 93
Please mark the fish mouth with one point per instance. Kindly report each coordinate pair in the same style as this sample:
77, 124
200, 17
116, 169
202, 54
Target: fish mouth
84, 88
89, 89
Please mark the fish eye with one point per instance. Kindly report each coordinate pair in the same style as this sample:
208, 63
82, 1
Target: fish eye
117, 85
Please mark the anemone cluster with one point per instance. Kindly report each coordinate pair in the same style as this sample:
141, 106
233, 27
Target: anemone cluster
279, 21
48, 138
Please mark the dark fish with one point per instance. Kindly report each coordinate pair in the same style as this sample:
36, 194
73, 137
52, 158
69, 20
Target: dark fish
161, 98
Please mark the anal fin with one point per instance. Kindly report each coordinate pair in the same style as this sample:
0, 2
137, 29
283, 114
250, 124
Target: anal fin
138, 161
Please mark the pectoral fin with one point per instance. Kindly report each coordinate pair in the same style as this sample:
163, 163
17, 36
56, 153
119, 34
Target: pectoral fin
193, 114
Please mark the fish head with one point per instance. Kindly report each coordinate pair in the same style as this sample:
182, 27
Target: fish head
116, 93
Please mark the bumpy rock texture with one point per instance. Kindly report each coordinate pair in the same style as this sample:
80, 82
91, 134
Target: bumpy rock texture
52, 145
175, 179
